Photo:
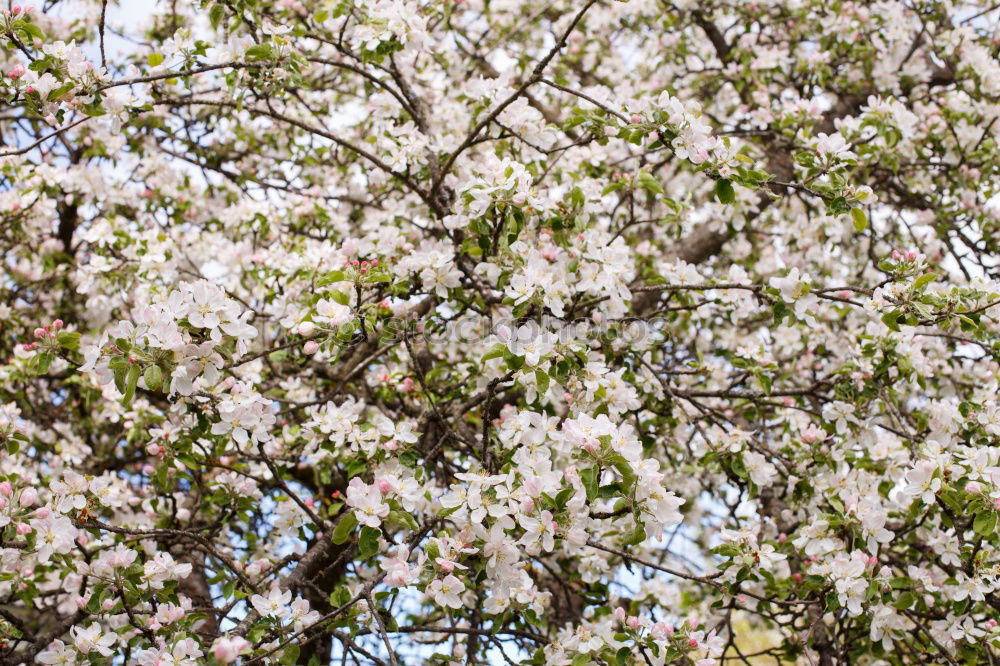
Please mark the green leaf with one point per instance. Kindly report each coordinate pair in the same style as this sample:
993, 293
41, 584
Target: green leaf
739, 468
924, 280
154, 59
32, 30
153, 377
985, 523
838, 206
120, 372
345, 528
724, 191
340, 596
889, 319
403, 519
290, 655
259, 52
368, 542
68, 340
649, 183
331, 278
131, 381
624, 468
42, 361
542, 380
513, 362
495, 352
216, 14
638, 535
860, 219
563, 496
589, 479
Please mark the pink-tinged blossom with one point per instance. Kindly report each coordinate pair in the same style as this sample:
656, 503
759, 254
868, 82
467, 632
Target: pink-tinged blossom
368, 503
227, 649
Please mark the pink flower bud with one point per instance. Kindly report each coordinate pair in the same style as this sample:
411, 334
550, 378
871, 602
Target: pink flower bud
310, 347
383, 486
632, 622
990, 624
42, 512
23, 528
996, 504
407, 385
973, 488
742, 598
6, 489
782, 538
620, 614
873, 560
391, 445
148, 469
17, 71
692, 642
28, 497
39, 333
154, 449
636, 118
108, 604
57, 324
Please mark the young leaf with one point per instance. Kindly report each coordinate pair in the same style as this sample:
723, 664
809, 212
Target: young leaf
344, 528
724, 191
860, 220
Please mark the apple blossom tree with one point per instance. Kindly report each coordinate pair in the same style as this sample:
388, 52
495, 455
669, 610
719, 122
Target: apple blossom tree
500, 331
